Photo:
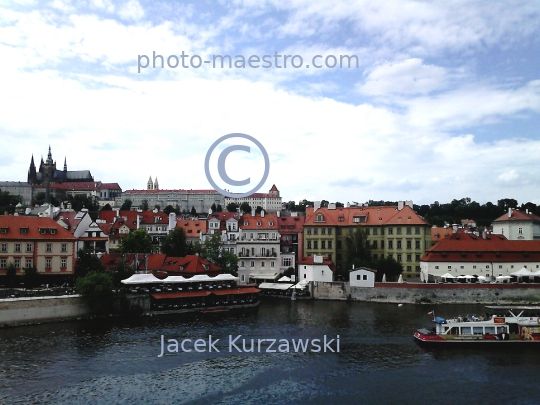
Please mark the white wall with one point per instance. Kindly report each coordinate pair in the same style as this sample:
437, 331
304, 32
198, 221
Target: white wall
356, 278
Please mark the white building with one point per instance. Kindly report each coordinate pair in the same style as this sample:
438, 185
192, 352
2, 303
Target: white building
258, 247
517, 225
270, 202
490, 256
362, 277
316, 268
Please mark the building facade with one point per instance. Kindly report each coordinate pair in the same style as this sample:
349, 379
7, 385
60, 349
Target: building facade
201, 200
34, 241
395, 231
270, 202
517, 225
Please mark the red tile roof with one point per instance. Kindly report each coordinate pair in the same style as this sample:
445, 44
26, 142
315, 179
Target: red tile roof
32, 226
110, 186
170, 191
366, 216
190, 265
192, 227
465, 247
274, 188
248, 222
326, 262
518, 216
288, 225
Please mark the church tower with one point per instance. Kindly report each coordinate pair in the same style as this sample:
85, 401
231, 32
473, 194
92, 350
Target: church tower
156, 185
150, 184
32, 176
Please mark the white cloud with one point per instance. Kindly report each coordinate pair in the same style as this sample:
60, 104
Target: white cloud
131, 11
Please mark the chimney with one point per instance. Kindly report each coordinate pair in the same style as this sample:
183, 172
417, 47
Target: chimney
509, 212
484, 234
262, 213
400, 205
454, 228
252, 213
172, 221
316, 205
138, 221
278, 213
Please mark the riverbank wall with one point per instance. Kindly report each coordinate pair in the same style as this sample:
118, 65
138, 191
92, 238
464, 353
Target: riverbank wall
20, 311
422, 293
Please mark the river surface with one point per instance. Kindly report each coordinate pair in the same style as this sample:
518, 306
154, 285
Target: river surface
115, 361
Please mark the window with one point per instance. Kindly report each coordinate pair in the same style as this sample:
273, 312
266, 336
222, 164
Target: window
309, 244
382, 244
417, 230
329, 231
17, 263
17, 247
243, 277
263, 264
417, 258
487, 266
474, 267
364, 277
323, 231
323, 244
399, 244
315, 231
329, 244
436, 267
390, 244
520, 230
252, 263
461, 267
375, 245
315, 244
390, 231
449, 267
339, 244
375, 256
409, 230
53, 231
319, 217
338, 231
409, 258
398, 231
272, 264
48, 263
409, 244
28, 263
375, 231
28, 247
3, 263
358, 276
4, 247
500, 266
242, 264
417, 244
409, 268
49, 248
399, 258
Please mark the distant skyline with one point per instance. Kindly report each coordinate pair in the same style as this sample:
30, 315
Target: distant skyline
444, 103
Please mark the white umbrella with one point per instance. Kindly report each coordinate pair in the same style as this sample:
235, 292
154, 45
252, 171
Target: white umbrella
447, 275
524, 272
400, 279
384, 278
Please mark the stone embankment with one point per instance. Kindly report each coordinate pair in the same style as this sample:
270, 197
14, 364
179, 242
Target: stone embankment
17, 311
419, 293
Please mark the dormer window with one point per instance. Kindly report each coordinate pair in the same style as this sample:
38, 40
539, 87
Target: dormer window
53, 231
181, 268
42, 231
245, 223
319, 217
24, 231
3, 230
258, 224
271, 223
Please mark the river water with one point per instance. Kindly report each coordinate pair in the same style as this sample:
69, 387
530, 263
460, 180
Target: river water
115, 361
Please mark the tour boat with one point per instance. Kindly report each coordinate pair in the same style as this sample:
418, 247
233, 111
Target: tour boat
512, 324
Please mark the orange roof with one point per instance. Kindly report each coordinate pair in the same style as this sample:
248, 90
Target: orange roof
248, 222
26, 228
310, 260
274, 188
517, 215
192, 227
438, 233
366, 216
190, 265
291, 224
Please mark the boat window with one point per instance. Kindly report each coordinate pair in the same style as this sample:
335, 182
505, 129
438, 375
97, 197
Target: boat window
490, 329
466, 330
478, 330
454, 331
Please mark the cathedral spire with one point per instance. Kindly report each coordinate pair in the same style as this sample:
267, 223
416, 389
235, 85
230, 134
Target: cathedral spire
65, 164
49, 156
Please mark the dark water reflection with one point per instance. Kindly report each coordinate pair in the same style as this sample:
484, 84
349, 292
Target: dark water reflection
114, 361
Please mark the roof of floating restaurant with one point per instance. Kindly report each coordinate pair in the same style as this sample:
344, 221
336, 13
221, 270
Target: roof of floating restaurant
189, 294
142, 279
186, 294
225, 277
248, 290
263, 276
275, 286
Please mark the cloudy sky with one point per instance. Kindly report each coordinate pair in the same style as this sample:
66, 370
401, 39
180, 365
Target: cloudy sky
441, 101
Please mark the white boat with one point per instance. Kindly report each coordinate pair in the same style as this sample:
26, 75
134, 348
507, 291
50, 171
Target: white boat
508, 325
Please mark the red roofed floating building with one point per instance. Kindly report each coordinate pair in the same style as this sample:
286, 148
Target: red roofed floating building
489, 255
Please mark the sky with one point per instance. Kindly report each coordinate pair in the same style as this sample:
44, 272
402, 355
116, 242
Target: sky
441, 100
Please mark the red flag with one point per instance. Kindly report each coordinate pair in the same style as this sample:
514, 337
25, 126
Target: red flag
431, 313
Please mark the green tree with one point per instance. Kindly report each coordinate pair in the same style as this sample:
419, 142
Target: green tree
175, 243
227, 261
97, 290
137, 241
144, 205
87, 262
258, 210
213, 207
8, 202
107, 207
193, 211
245, 208
168, 209
358, 250
157, 206
388, 266
120, 272
219, 208
232, 207
126, 206
11, 275
30, 277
